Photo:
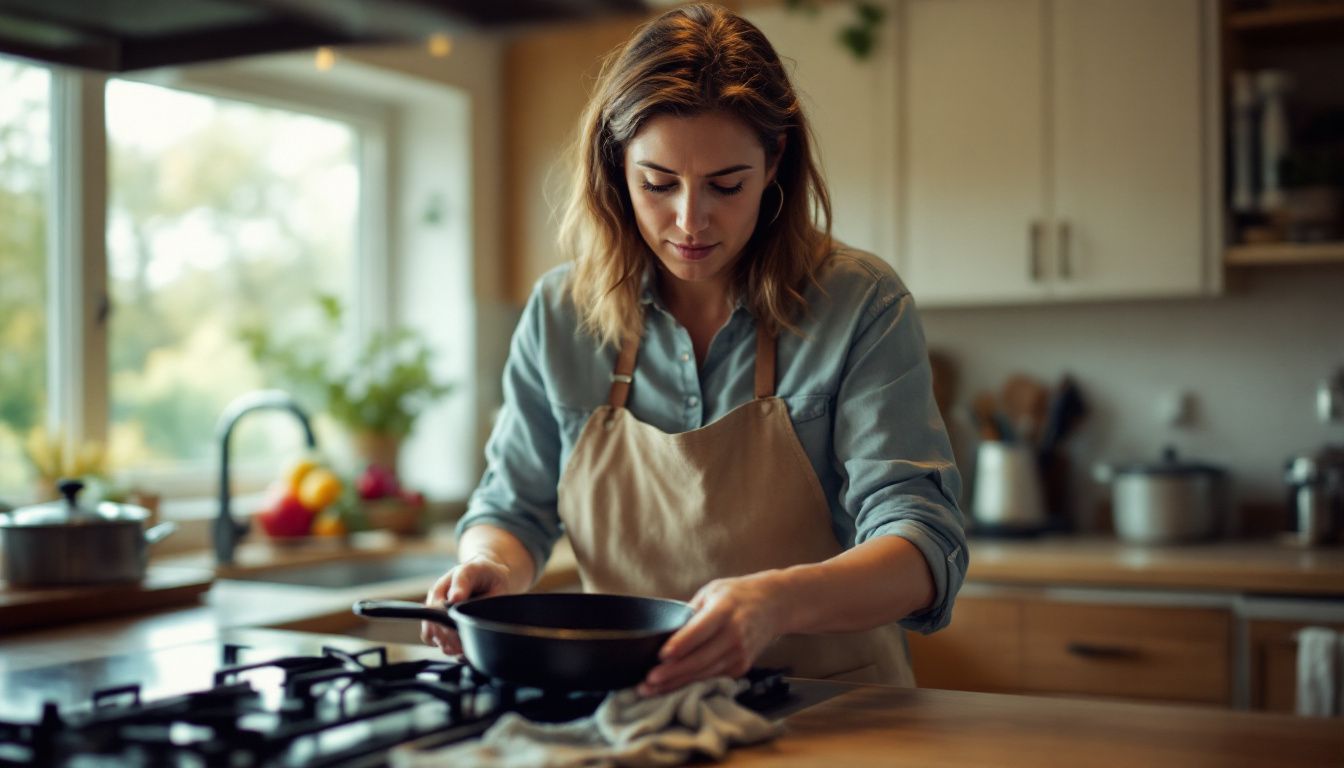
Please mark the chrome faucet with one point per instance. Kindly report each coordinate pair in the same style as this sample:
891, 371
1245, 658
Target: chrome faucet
228, 531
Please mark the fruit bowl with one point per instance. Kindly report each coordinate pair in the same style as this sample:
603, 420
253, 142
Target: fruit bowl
394, 514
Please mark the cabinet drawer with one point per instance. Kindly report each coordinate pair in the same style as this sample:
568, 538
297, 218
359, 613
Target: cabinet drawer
1177, 654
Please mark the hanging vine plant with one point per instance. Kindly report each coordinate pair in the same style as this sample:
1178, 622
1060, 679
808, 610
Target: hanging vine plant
859, 36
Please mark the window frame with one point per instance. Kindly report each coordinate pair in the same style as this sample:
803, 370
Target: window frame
78, 301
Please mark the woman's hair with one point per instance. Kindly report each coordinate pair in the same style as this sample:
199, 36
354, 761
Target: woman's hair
690, 61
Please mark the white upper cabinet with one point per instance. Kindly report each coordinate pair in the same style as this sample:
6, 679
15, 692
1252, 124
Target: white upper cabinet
974, 154
1052, 149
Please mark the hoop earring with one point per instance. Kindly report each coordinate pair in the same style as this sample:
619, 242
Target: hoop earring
781, 203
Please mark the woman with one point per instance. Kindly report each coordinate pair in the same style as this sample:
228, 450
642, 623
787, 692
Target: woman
715, 401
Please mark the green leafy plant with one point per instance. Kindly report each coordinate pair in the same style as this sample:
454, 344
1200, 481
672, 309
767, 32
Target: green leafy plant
381, 389
859, 36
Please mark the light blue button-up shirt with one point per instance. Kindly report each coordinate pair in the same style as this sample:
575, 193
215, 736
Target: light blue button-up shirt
857, 384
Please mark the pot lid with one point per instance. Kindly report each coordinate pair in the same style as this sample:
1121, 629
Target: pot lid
67, 511
1169, 464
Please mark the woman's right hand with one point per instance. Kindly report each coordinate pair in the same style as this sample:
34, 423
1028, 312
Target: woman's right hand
477, 577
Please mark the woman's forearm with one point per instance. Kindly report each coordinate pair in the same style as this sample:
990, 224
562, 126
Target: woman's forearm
502, 547
878, 582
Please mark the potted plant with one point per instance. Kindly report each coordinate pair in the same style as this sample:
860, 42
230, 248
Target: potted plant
376, 393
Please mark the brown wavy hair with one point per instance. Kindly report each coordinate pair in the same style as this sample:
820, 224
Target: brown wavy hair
689, 61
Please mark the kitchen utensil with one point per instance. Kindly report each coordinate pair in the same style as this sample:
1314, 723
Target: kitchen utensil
990, 421
61, 543
1065, 410
984, 408
1165, 502
944, 375
1025, 403
1007, 490
570, 641
1316, 496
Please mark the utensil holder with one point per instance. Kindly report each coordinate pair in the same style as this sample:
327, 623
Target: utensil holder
1008, 496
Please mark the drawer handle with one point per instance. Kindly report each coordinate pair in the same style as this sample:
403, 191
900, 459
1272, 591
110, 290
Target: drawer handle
1065, 268
1094, 651
1034, 236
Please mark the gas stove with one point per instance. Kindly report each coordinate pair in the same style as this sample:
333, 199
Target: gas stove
334, 707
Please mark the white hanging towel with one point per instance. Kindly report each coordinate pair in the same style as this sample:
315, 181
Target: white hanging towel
1319, 656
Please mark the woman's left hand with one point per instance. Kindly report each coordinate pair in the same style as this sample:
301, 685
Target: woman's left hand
734, 620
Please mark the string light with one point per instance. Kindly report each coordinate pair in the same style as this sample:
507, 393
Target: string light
439, 45
325, 59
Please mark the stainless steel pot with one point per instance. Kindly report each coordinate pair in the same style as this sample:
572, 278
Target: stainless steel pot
1166, 502
62, 543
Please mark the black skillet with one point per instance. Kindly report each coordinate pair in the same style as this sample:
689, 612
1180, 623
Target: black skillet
561, 641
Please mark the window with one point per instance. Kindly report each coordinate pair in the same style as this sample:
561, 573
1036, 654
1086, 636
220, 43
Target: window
227, 205
25, 159
229, 214
235, 193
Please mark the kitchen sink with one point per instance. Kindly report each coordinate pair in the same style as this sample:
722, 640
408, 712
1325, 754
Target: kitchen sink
341, 574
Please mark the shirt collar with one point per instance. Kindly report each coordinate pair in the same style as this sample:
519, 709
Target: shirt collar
648, 292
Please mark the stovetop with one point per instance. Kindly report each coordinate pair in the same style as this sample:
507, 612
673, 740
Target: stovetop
239, 705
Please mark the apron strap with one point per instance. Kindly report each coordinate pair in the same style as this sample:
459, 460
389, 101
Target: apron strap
624, 373
765, 363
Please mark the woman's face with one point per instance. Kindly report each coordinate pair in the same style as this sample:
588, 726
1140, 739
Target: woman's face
696, 185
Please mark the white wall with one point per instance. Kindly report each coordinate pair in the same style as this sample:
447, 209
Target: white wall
474, 70
1251, 358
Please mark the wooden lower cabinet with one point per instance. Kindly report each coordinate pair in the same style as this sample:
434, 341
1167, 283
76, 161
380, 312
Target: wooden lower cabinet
1272, 649
981, 650
1141, 652
1028, 645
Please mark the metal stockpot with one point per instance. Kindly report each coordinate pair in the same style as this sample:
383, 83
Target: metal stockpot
62, 543
1166, 502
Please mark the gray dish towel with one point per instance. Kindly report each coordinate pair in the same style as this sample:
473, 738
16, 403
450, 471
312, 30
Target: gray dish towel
626, 730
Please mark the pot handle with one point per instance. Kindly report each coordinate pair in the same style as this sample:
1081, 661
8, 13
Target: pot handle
160, 532
402, 609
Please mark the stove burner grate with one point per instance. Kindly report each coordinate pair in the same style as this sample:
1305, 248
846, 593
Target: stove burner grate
336, 709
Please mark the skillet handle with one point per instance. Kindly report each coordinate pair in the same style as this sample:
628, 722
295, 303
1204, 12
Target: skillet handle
402, 609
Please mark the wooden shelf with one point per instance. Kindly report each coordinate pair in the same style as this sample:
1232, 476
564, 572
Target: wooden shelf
1266, 254
1286, 16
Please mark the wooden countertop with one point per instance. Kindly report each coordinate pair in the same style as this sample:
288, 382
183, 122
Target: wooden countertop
1233, 566
882, 726
259, 554
233, 603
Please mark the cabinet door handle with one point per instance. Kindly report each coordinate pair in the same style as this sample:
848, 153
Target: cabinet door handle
1065, 268
1095, 651
1034, 236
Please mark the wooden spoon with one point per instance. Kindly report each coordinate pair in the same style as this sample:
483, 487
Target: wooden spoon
985, 409
944, 380
1025, 400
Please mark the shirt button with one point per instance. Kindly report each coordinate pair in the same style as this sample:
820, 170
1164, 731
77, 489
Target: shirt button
685, 357
692, 401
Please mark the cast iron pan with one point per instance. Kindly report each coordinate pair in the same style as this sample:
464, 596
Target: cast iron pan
562, 641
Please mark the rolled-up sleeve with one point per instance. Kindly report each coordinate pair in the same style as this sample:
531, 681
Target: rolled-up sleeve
518, 489
899, 475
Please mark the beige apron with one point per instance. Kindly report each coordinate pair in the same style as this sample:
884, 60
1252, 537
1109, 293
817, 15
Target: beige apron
650, 513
